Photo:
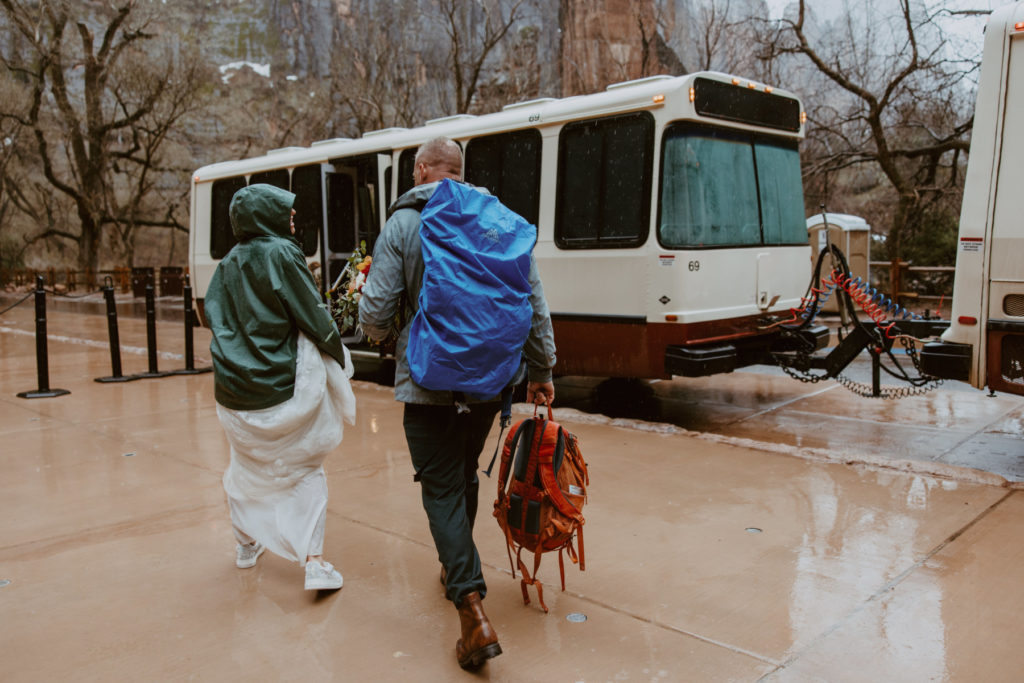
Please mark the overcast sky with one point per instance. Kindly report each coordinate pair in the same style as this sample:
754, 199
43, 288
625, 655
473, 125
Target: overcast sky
964, 32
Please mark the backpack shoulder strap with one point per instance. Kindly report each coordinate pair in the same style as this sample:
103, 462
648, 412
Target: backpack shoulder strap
521, 430
547, 474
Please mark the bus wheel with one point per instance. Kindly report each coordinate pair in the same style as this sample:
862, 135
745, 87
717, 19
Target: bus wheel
626, 397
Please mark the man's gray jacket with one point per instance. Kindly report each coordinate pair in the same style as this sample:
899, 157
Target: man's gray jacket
398, 268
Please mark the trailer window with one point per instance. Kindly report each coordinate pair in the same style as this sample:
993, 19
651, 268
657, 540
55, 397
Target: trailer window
221, 236
720, 188
604, 182
309, 206
508, 165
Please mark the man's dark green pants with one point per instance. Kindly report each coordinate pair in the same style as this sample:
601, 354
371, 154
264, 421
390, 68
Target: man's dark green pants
445, 447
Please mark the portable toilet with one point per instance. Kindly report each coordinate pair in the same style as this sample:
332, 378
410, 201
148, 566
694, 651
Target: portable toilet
851, 234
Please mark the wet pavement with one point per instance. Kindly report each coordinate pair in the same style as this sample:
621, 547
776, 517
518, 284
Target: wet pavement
740, 527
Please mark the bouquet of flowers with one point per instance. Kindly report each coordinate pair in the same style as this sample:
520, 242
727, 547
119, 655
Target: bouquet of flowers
343, 298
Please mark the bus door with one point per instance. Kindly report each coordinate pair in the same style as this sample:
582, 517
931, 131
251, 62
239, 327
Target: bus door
354, 210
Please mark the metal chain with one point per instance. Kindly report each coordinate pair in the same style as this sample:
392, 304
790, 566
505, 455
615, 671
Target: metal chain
859, 388
888, 392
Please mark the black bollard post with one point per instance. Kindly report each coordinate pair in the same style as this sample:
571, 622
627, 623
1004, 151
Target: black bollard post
190, 324
42, 359
876, 375
115, 343
151, 332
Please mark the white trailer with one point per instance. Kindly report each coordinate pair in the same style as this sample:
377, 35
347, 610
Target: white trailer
984, 344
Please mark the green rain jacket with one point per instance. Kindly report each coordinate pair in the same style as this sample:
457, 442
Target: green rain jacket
261, 297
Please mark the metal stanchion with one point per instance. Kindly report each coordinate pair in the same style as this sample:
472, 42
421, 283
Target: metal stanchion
190, 323
151, 332
115, 343
42, 359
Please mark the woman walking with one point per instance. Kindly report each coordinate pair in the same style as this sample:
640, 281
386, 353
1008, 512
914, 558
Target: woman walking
281, 378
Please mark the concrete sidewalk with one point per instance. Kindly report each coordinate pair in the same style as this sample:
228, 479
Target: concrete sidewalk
707, 559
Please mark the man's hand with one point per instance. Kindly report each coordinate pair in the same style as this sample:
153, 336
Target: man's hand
540, 392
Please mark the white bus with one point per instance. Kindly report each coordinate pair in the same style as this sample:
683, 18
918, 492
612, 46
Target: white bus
984, 344
669, 210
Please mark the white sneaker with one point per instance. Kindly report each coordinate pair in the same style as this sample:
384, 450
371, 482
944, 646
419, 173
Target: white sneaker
322, 577
246, 555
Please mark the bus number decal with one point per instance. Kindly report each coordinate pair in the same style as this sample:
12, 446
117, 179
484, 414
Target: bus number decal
693, 266
534, 118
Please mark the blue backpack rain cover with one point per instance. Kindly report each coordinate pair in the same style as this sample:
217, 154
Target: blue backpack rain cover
474, 309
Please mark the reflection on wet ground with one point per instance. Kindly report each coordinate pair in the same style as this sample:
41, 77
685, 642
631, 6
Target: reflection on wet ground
955, 425
710, 555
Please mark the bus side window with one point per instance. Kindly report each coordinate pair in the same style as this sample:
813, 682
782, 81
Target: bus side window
604, 182
406, 165
308, 206
508, 165
221, 237
277, 177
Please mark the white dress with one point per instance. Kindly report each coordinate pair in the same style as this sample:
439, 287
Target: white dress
275, 484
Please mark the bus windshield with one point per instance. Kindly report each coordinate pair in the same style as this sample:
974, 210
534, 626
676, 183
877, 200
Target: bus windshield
723, 189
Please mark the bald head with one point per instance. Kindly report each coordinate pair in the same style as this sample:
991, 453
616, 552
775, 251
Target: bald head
437, 159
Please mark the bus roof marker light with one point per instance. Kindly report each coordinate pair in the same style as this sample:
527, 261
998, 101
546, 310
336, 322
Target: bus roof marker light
735, 81
768, 88
658, 99
1019, 26
693, 93
752, 85
803, 117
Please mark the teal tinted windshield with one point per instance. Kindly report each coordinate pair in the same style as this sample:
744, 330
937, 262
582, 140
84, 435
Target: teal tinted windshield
723, 189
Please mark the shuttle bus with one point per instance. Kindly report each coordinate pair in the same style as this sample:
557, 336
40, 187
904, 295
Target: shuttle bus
669, 210
984, 344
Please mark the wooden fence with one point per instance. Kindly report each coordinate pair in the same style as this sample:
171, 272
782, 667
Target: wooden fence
903, 284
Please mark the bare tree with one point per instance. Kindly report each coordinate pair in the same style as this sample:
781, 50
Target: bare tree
102, 100
899, 103
474, 29
377, 71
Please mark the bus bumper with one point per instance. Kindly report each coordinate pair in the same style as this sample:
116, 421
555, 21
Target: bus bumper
713, 359
947, 360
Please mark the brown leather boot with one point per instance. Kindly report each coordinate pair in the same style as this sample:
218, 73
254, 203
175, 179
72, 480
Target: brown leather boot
479, 642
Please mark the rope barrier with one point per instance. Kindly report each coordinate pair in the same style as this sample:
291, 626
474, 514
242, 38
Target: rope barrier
23, 300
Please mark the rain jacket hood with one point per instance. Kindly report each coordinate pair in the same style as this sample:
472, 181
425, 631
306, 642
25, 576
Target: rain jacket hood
261, 210
261, 297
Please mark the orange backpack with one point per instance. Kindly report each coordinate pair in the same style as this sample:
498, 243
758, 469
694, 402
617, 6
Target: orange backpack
541, 508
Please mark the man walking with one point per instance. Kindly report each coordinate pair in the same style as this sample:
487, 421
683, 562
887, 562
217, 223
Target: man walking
444, 441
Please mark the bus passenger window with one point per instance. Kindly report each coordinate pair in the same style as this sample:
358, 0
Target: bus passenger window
508, 165
729, 189
708, 192
221, 236
306, 185
406, 165
780, 189
604, 182
277, 177
341, 196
